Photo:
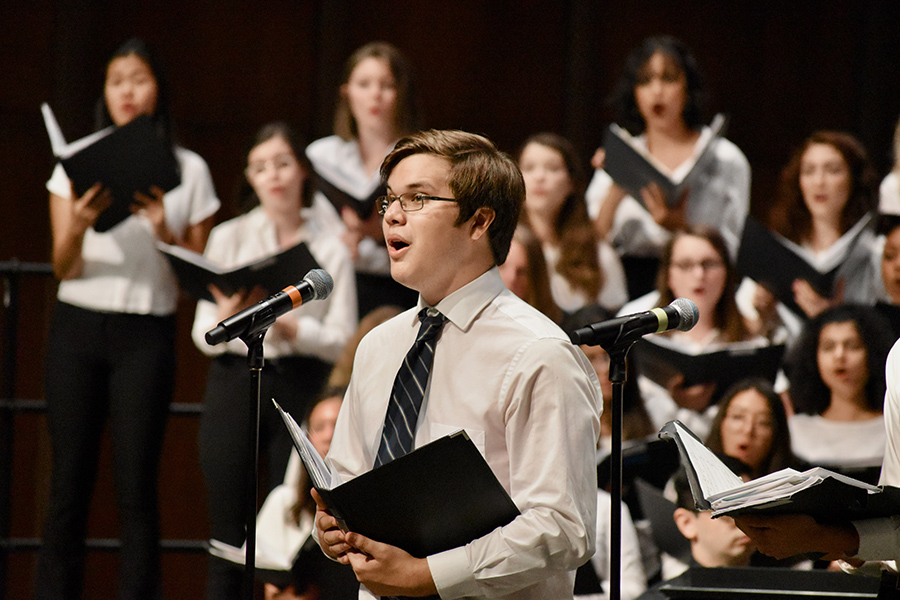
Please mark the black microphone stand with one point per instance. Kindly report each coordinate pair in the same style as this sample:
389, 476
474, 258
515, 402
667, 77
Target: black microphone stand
255, 362
617, 351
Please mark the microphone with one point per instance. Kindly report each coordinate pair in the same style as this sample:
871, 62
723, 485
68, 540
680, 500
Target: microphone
316, 285
681, 314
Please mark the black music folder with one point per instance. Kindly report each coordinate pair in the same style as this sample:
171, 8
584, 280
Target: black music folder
660, 359
196, 273
439, 496
340, 199
632, 168
126, 159
824, 495
775, 262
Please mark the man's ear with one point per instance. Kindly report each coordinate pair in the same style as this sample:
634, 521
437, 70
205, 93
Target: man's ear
481, 220
686, 521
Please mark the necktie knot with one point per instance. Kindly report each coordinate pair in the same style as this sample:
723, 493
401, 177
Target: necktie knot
432, 323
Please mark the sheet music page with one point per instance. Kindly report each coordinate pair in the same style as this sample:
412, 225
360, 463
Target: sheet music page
58, 143
321, 474
714, 476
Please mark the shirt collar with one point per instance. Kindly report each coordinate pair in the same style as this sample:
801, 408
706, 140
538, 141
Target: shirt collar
465, 304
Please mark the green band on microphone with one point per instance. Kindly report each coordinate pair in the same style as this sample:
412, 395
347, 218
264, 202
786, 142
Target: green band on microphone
663, 319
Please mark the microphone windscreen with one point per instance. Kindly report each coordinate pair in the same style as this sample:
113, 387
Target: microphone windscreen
321, 283
688, 312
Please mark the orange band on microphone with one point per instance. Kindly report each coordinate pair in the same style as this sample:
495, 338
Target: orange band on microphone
294, 293
663, 319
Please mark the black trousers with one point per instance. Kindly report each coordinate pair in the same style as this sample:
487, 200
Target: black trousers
226, 452
105, 368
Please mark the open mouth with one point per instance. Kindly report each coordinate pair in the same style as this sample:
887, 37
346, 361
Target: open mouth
397, 245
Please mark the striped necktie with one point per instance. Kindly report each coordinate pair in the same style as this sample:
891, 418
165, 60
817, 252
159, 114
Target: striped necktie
409, 390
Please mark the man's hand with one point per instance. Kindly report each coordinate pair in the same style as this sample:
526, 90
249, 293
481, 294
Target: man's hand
331, 539
387, 570
781, 536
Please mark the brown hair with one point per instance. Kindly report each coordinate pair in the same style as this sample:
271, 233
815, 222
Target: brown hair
539, 294
790, 216
406, 112
480, 176
578, 262
779, 455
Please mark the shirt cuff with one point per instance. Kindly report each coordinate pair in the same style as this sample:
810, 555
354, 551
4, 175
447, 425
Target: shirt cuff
452, 574
878, 538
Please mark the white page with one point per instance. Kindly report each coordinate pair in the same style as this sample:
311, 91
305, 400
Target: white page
712, 473
321, 474
58, 143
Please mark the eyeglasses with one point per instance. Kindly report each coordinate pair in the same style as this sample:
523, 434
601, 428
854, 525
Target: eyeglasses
409, 202
282, 161
707, 265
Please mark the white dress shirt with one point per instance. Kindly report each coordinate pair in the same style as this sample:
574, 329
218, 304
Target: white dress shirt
323, 326
530, 401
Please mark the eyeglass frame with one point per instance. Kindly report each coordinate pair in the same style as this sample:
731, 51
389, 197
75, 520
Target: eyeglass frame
382, 203
707, 265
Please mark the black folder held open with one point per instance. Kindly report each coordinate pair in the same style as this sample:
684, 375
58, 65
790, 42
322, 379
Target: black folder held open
126, 159
440, 496
196, 273
824, 495
632, 168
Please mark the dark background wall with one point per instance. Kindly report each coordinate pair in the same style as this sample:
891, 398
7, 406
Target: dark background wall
505, 68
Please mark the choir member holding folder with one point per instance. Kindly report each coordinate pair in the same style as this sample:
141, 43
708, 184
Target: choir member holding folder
694, 265
660, 101
111, 350
823, 215
528, 400
376, 105
299, 348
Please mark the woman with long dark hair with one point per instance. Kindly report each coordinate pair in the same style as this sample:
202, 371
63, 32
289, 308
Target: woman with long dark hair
111, 350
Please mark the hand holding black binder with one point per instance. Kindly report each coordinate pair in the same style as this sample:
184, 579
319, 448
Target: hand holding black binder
824, 495
660, 359
776, 262
196, 273
128, 159
632, 168
440, 496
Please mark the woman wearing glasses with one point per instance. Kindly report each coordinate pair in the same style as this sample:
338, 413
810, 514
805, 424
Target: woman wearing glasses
299, 348
694, 265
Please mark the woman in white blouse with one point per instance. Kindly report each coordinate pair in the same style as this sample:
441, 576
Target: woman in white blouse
660, 99
837, 387
583, 269
827, 194
694, 265
376, 106
299, 348
111, 349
